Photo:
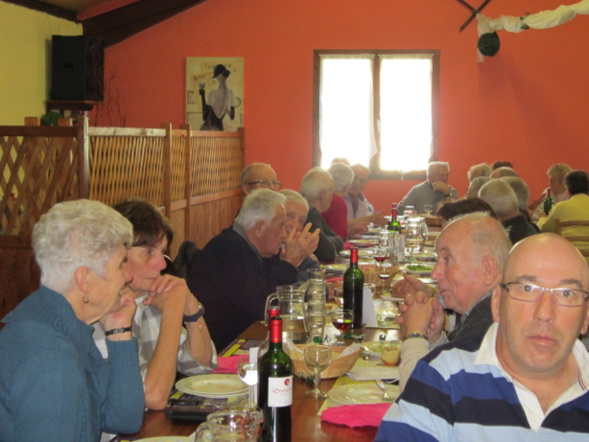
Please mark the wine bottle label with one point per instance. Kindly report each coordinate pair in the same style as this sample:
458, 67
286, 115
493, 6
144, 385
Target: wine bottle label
280, 392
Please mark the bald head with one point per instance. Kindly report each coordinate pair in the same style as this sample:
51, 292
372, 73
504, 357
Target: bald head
531, 253
258, 176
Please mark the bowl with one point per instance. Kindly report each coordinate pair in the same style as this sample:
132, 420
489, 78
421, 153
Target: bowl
343, 359
390, 354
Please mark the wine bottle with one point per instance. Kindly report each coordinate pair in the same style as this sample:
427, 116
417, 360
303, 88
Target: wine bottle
354, 288
394, 225
275, 387
548, 201
263, 347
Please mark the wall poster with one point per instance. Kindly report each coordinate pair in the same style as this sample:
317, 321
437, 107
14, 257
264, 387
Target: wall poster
214, 93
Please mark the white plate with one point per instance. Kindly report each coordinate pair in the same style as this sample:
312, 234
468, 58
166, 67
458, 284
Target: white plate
375, 347
361, 252
425, 256
167, 439
364, 242
354, 394
212, 385
336, 267
424, 272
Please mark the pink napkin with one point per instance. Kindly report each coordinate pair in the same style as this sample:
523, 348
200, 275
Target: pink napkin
334, 279
368, 415
228, 364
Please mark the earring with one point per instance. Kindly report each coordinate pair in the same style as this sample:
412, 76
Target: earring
85, 299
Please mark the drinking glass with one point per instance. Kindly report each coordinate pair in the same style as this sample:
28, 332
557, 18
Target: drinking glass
248, 373
317, 358
338, 297
384, 270
427, 209
342, 319
380, 254
315, 320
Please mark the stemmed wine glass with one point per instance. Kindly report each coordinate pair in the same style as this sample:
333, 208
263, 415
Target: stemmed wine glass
317, 358
342, 319
248, 373
384, 270
381, 254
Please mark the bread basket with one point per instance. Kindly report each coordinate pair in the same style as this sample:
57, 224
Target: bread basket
343, 359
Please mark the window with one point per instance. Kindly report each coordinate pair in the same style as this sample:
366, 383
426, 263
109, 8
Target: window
377, 108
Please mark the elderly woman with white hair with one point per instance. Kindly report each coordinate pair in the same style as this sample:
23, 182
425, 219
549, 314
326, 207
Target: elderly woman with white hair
237, 270
54, 384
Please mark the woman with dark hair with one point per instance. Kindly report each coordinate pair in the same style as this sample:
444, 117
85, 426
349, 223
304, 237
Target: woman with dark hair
576, 208
461, 207
164, 303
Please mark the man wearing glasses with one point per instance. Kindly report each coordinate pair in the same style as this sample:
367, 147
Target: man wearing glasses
526, 378
258, 176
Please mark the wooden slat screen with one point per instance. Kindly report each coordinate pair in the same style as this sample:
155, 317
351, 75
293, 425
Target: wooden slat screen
192, 176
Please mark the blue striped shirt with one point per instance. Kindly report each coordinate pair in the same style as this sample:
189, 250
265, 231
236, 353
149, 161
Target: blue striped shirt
459, 392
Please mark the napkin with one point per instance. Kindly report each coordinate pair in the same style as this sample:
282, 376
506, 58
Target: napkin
373, 373
228, 364
368, 415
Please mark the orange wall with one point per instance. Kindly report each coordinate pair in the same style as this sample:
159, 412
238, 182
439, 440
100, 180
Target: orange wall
528, 104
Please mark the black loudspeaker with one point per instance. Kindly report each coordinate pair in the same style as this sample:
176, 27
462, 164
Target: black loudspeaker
77, 69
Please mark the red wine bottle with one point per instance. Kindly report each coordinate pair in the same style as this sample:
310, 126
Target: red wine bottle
354, 288
275, 387
263, 347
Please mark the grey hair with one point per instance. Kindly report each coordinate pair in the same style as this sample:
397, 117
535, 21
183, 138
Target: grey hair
488, 236
81, 233
559, 171
482, 169
260, 205
246, 172
342, 175
295, 197
503, 171
433, 164
522, 192
500, 197
314, 182
475, 185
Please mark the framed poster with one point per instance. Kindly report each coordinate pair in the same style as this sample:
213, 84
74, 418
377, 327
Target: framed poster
214, 93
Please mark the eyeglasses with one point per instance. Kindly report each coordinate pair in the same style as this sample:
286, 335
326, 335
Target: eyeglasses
265, 183
565, 297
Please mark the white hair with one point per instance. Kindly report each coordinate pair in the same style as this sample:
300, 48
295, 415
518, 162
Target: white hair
81, 233
500, 197
259, 205
294, 197
342, 175
522, 192
475, 185
314, 182
434, 164
482, 169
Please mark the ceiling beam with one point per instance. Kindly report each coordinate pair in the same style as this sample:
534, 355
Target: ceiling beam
46, 8
115, 26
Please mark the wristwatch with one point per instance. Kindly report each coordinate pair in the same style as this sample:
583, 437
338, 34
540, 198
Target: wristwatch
193, 318
414, 335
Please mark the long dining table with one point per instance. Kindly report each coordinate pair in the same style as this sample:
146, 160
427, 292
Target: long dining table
306, 422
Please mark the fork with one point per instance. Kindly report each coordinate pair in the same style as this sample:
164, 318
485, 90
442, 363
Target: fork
385, 396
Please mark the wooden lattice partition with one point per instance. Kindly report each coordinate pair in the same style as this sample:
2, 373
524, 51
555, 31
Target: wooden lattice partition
192, 176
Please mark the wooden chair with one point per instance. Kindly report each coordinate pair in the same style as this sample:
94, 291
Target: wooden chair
576, 239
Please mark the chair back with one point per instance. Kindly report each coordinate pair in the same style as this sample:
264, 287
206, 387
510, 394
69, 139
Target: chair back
186, 256
577, 232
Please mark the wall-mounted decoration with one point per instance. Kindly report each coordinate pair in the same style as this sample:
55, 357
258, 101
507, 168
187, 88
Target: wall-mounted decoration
214, 93
489, 44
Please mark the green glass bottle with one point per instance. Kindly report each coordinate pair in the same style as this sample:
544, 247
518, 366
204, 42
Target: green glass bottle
354, 288
548, 201
275, 387
394, 225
